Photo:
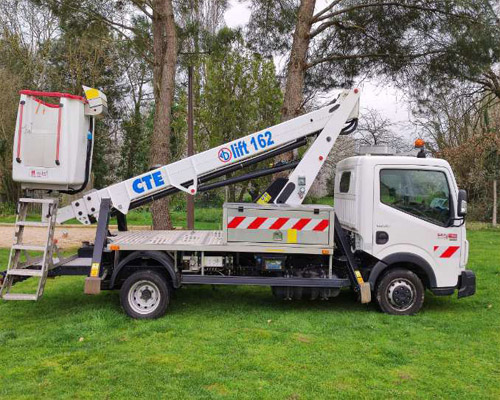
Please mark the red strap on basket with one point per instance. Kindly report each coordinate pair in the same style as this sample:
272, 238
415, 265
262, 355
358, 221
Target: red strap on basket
46, 104
58, 140
18, 158
52, 94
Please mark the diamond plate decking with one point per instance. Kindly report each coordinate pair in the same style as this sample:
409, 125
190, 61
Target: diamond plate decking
200, 241
175, 238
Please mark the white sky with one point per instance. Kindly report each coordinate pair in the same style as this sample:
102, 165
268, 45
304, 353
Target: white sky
386, 99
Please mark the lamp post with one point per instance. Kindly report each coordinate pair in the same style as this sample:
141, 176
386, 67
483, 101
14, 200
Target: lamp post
190, 147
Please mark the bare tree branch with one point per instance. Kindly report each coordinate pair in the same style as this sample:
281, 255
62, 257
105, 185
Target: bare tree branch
317, 16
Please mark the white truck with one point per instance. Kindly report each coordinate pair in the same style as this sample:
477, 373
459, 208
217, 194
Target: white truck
397, 229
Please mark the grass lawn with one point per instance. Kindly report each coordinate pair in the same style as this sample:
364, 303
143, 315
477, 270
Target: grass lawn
242, 343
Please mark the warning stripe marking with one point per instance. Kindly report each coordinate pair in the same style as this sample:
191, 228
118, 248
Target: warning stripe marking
321, 226
299, 224
235, 222
279, 223
446, 251
256, 223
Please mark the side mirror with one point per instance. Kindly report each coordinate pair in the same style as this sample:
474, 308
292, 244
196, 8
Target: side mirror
462, 203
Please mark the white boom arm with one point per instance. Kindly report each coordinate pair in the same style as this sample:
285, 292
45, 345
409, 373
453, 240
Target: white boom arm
329, 120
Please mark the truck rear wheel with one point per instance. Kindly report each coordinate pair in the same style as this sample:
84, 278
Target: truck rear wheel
400, 292
145, 295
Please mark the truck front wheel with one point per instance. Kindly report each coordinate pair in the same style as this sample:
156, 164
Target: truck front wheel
400, 292
145, 295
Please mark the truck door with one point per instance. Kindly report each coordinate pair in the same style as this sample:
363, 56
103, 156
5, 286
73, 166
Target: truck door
413, 211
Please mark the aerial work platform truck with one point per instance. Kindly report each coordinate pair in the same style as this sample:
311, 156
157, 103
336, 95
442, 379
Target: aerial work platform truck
397, 228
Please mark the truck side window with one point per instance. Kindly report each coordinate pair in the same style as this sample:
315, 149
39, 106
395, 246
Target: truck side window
345, 182
424, 194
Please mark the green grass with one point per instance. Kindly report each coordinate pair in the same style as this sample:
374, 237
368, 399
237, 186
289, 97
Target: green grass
241, 343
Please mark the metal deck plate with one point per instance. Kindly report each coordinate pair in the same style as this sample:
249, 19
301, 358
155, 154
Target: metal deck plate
175, 238
201, 241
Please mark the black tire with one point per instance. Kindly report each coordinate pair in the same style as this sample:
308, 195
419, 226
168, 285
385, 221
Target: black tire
145, 295
400, 292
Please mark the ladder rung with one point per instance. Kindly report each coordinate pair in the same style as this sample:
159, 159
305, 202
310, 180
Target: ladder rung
19, 296
31, 247
25, 272
32, 223
38, 201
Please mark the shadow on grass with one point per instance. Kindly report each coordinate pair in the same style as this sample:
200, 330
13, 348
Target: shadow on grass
64, 296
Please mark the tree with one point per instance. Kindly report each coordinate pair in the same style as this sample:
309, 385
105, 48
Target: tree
466, 133
136, 142
160, 52
9, 87
26, 33
375, 129
240, 95
331, 47
164, 64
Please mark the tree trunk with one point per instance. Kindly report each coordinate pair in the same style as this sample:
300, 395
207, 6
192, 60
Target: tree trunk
294, 86
495, 203
164, 62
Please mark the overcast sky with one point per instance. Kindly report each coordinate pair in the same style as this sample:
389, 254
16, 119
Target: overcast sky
387, 100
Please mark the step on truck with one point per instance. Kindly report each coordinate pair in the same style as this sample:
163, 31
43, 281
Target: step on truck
397, 229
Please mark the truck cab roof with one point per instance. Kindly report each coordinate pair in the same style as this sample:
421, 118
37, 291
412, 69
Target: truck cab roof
367, 160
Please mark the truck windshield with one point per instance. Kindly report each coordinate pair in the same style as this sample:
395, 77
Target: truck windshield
424, 194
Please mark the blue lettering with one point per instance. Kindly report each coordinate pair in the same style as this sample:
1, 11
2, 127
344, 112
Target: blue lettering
136, 185
147, 180
158, 179
244, 147
235, 151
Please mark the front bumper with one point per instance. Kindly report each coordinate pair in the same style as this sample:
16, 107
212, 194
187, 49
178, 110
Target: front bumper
466, 284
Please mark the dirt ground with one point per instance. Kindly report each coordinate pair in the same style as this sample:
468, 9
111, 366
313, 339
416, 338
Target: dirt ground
69, 236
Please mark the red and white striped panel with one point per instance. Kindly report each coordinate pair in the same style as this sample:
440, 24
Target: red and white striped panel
300, 224
446, 251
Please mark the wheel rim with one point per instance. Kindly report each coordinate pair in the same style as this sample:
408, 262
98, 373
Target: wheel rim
401, 294
144, 297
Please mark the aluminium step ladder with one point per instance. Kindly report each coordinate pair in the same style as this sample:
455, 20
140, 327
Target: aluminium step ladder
36, 267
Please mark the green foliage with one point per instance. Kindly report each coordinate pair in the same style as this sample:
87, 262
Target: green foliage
240, 95
134, 158
138, 151
429, 43
241, 343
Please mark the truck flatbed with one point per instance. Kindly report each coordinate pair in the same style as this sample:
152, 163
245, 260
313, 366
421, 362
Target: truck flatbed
202, 241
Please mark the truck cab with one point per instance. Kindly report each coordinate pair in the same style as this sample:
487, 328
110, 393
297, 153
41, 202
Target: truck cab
405, 214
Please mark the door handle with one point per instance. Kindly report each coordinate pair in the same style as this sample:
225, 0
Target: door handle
381, 237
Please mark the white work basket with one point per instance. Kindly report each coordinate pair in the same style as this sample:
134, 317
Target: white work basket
53, 141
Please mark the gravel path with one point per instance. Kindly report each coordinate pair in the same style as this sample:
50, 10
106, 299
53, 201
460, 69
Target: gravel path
70, 236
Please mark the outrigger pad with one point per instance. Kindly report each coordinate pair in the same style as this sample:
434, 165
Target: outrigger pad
92, 285
365, 292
